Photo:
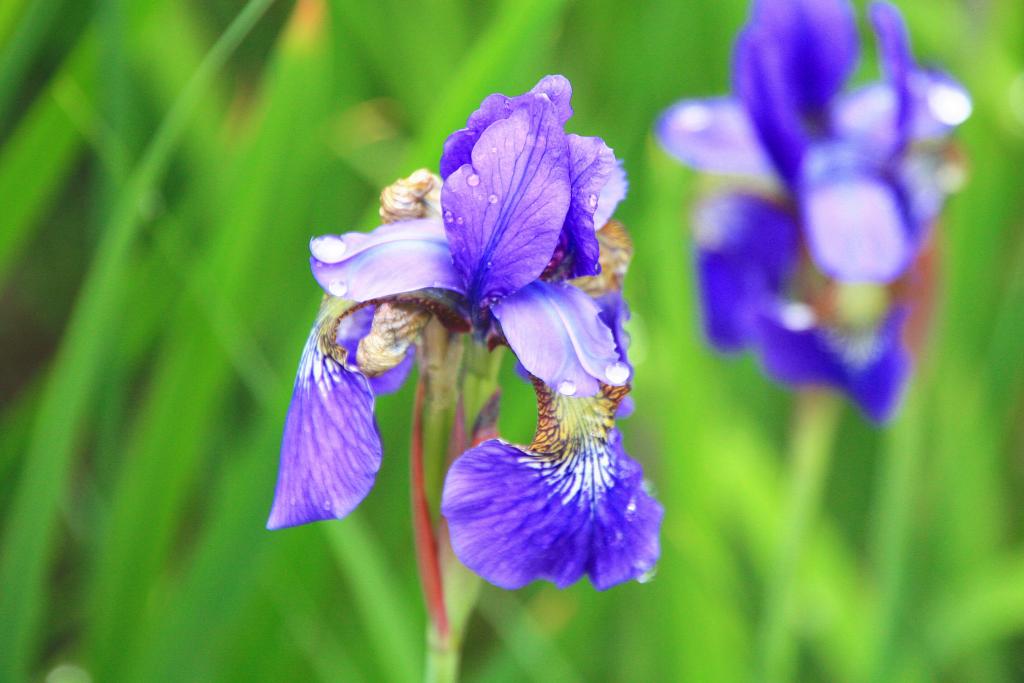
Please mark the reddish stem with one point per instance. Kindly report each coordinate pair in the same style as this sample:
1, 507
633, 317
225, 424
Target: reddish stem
423, 528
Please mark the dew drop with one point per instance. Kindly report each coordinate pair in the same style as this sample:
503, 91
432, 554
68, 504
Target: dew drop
647, 576
950, 105
694, 117
459, 220
448, 218
567, 387
592, 200
493, 199
337, 288
631, 507
797, 317
617, 373
329, 248
327, 505
473, 180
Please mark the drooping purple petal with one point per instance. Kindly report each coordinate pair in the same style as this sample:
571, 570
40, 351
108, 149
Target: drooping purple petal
855, 223
762, 85
459, 145
898, 63
613, 192
591, 163
713, 135
572, 504
331, 451
393, 259
871, 366
356, 325
746, 247
504, 213
816, 44
557, 334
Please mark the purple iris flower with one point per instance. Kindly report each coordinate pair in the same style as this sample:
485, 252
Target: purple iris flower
517, 247
835, 192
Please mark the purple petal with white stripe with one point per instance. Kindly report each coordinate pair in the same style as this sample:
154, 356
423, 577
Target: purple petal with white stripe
331, 451
503, 213
871, 366
572, 504
557, 334
713, 135
393, 259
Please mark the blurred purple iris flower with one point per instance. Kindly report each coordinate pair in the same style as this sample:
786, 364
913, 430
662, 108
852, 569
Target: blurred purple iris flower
510, 249
835, 193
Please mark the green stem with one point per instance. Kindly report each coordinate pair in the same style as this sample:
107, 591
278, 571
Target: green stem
813, 435
461, 587
897, 498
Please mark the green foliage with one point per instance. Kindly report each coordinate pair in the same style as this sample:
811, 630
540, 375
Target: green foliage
162, 165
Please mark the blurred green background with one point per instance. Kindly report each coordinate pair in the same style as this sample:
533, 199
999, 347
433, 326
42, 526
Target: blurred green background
162, 166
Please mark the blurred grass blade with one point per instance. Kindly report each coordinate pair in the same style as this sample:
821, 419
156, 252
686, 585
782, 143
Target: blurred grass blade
16, 53
39, 155
30, 529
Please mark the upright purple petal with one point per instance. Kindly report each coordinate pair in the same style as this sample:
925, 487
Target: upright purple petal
504, 213
572, 504
898, 62
613, 192
761, 81
459, 145
746, 247
557, 334
393, 259
331, 451
591, 163
856, 224
816, 43
713, 135
870, 366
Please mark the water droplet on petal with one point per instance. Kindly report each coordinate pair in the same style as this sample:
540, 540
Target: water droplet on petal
567, 387
473, 180
592, 200
337, 288
493, 199
949, 104
327, 505
459, 220
647, 576
328, 248
797, 317
617, 373
694, 117
448, 217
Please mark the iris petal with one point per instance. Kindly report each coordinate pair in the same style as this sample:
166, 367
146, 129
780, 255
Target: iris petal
713, 135
747, 247
504, 213
331, 451
871, 366
613, 192
816, 42
393, 259
591, 163
763, 86
571, 504
855, 221
557, 334
459, 145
